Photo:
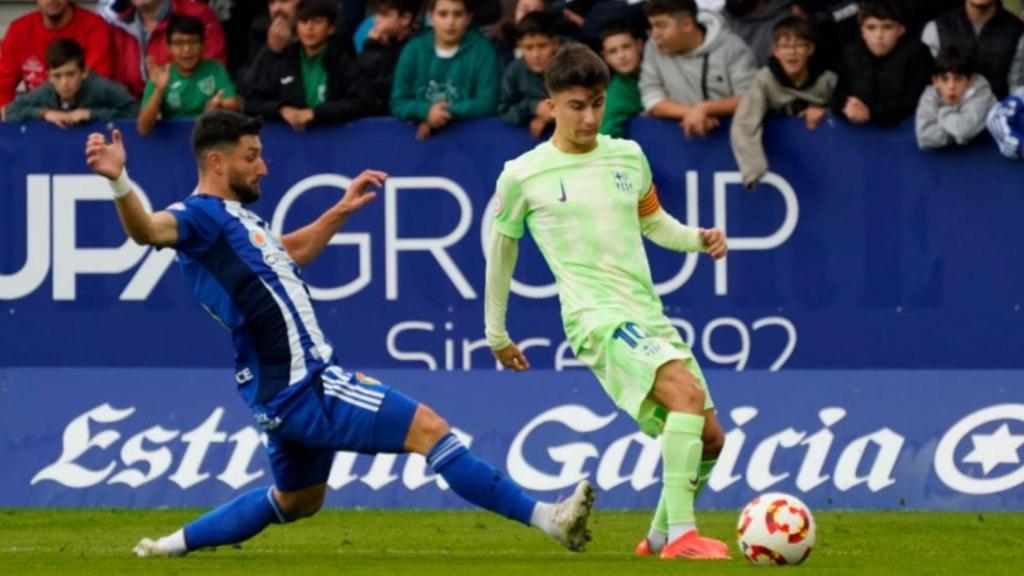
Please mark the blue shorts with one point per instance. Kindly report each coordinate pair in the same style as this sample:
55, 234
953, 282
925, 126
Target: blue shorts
338, 411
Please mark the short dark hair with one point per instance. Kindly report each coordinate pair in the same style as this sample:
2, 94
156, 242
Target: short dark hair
222, 127
882, 10
575, 66
309, 9
62, 51
535, 24
794, 26
952, 61
616, 27
401, 6
467, 4
184, 24
671, 8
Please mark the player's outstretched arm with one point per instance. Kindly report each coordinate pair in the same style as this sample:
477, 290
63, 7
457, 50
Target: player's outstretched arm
306, 243
665, 231
502, 253
108, 160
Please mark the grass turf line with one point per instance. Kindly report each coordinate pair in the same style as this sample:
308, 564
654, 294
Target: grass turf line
426, 543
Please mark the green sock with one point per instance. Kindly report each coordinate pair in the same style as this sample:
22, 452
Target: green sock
660, 521
680, 451
706, 466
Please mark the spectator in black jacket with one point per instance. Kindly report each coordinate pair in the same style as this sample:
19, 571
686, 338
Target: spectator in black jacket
984, 31
369, 91
882, 75
305, 83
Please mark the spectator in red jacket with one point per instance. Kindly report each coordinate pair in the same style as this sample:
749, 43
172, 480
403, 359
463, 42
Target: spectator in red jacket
140, 36
23, 54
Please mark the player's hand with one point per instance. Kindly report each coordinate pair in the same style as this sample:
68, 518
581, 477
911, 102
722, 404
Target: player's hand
714, 242
423, 131
279, 34
439, 116
813, 115
856, 111
80, 115
105, 159
694, 123
297, 118
511, 357
160, 75
58, 118
358, 193
537, 126
216, 102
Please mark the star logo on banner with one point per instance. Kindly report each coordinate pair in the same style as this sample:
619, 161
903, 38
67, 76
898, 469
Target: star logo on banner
991, 450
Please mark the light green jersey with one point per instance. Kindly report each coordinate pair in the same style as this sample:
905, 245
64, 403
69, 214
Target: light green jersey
583, 212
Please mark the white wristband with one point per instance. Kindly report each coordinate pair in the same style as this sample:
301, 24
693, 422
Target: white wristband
122, 186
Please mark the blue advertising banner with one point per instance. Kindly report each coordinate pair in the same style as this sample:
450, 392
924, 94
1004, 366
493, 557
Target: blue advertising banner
837, 439
857, 252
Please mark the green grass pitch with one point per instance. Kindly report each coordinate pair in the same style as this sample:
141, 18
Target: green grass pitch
421, 543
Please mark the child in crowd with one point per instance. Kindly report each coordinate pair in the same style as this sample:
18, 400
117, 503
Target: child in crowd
953, 109
622, 48
524, 98
306, 84
882, 75
791, 84
448, 73
694, 69
72, 94
189, 84
394, 23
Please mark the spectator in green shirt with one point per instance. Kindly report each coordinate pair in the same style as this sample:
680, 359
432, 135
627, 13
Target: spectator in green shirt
188, 85
447, 73
72, 94
622, 48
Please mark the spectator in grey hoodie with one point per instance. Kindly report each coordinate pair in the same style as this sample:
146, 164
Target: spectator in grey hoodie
72, 94
753, 21
792, 83
952, 110
694, 68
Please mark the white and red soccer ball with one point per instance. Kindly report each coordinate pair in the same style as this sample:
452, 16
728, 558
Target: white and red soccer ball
776, 528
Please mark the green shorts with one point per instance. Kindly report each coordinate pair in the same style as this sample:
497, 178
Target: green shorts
626, 359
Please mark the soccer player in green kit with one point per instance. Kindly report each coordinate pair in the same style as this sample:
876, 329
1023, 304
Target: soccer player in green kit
589, 200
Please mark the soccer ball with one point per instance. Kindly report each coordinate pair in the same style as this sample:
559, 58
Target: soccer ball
776, 528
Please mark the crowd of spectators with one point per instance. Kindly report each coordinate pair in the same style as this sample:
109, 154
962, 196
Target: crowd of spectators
954, 66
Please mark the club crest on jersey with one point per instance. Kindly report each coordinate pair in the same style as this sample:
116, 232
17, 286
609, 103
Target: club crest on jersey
258, 238
622, 181
208, 85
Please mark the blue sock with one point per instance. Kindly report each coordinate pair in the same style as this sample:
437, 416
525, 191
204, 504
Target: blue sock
236, 521
479, 482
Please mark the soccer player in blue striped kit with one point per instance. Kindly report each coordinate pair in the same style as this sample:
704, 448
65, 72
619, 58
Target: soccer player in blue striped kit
286, 369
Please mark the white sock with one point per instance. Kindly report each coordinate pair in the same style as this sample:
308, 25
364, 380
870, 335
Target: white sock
173, 543
542, 518
677, 530
657, 539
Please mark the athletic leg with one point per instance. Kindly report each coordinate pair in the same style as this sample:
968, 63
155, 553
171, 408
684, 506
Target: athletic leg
480, 483
300, 474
